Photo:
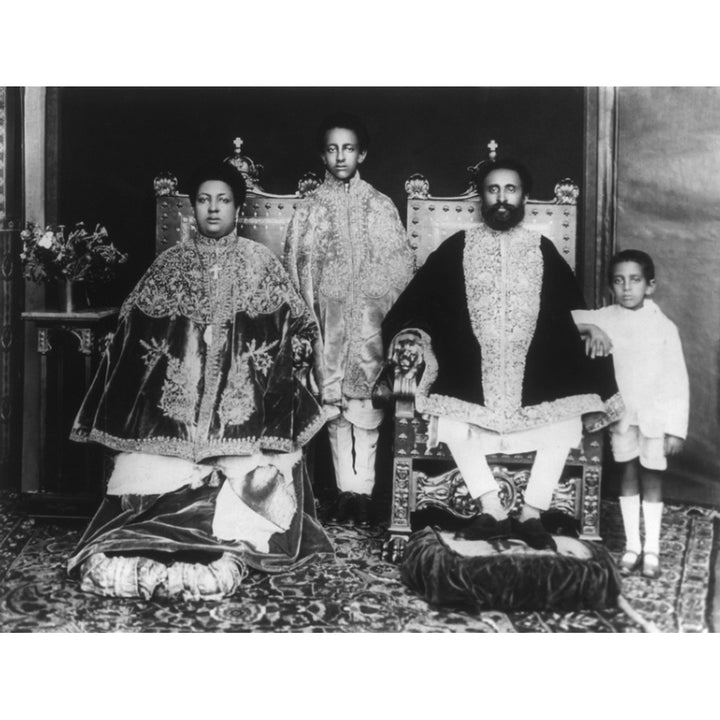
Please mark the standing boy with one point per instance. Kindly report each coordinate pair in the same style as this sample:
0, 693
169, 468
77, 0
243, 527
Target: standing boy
347, 252
653, 382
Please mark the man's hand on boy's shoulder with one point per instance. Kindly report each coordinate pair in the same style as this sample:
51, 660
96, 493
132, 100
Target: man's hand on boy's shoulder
597, 341
673, 444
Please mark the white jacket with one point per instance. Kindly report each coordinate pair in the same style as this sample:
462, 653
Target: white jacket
649, 367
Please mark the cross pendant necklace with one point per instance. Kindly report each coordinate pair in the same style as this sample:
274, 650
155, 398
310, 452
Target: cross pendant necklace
215, 272
211, 293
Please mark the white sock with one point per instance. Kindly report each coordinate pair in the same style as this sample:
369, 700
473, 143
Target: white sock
490, 503
652, 515
630, 511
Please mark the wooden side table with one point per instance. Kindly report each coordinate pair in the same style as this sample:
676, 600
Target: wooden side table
61, 477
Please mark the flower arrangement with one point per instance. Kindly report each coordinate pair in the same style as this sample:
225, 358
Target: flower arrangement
80, 256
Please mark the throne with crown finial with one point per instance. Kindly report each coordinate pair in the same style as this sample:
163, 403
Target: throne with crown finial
264, 216
424, 476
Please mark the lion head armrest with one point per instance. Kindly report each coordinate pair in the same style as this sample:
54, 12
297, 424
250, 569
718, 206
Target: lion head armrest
403, 370
406, 357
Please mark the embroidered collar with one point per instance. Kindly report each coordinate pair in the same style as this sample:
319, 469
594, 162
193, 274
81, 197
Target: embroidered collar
225, 241
332, 182
520, 231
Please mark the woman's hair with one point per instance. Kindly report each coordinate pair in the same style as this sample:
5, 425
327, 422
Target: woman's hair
503, 163
346, 121
219, 171
637, 256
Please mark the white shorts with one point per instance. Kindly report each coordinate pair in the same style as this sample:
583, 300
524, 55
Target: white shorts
631, 443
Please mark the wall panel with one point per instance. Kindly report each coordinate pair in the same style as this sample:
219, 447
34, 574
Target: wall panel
668, 183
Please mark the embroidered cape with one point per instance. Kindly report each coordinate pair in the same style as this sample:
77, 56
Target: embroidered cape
202, 362
506, 354
347, 252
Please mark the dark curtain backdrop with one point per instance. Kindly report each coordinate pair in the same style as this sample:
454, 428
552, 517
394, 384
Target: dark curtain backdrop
113, 141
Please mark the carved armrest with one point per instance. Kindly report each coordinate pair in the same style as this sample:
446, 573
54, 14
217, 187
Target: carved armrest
406, 356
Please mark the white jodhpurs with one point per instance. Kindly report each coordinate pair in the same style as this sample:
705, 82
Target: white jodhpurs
353, 442
470, 446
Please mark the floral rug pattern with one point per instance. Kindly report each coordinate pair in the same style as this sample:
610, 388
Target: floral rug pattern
356, 592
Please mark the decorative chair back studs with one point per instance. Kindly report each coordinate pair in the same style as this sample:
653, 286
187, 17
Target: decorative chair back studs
264, 216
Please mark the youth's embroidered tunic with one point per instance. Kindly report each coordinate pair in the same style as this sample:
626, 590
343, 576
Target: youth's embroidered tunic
347, 252
506, 355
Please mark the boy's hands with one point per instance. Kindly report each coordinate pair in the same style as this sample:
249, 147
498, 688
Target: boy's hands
597, 341
673, 445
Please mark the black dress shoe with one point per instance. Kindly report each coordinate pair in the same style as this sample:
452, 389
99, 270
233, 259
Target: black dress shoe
485, 527
362, 510
533, 533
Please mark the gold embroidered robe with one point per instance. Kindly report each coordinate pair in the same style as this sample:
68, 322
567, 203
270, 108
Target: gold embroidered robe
347, 253
504, 353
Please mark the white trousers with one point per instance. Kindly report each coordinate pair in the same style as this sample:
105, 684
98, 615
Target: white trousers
470, 445
353, 442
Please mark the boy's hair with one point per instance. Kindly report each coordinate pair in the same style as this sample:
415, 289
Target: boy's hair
504, 163
219, 171
636, 256
346, 121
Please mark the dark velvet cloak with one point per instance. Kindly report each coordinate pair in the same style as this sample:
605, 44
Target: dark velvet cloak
555, 379
208, 360
178, 526
202, 366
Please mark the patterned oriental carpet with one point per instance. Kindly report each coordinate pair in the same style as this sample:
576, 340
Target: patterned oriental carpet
358, 592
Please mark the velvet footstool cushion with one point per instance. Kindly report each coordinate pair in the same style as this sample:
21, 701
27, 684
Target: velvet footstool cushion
507, 575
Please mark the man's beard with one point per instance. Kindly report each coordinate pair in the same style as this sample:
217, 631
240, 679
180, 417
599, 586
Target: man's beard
507, 218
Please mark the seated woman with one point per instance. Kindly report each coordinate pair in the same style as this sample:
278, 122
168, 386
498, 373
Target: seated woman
201, 391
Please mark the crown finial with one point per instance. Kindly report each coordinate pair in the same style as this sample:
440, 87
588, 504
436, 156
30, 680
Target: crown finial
245, 165
492, 146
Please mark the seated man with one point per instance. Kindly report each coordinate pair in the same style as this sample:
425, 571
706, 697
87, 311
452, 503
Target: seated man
506, 370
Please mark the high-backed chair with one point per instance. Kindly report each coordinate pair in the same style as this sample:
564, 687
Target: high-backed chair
426, 477
264, 216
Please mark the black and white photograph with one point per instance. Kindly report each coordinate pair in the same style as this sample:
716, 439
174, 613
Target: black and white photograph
291, 350
374, 354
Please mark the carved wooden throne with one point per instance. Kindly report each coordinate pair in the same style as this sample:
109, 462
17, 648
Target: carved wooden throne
264, 216
426, 478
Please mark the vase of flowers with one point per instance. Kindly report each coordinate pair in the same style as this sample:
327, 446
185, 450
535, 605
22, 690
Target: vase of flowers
75, 259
